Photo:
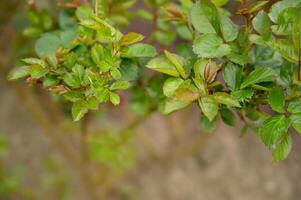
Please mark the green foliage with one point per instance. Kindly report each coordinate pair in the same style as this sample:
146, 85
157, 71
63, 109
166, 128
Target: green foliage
224, 68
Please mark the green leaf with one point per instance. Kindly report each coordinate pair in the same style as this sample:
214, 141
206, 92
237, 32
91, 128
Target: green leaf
232, 76
277, 99
79, 109
210, 46
209, 107
283, 149
225, 98
141, 50
243, 95
120, 85
163, 65
278, 7
37, 71
296, 122
171, 85
84, 12
177, 61
50, 81
273, 129
47, 44
207, 125
220, 3
228, 117
35, 61
114, 98
19, 72
172, 105
285, 48
261, 74
295, 106
262, 23
229, 29
131, 38
204, 17
97, 54
116, 74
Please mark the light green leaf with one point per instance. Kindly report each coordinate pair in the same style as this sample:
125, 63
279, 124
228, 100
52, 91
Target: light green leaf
114, 98
19, 72
204, 17
220, 3
141, 50
79, 109
295, 106
171, 85
163, 65
177, 61
283, 148
37, 71
97, 54
131, 38
229, 29
209, 107
262, 23
260, 74
225, 98
120, 85
278, 7
277, 99
172, 105
210, 46
273, 129
232, 76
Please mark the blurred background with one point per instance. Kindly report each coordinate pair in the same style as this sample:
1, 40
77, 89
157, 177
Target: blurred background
43, 154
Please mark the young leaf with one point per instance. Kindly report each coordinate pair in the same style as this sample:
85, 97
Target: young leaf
163, 65
114, 98
283, 148
177, 61
261, 74
141, 50
207, 125
171, 85
131, 38
19, 72
209, 107
210, 46
273, 129
225, 98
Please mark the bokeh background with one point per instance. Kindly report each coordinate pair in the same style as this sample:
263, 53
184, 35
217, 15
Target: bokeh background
152, 158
